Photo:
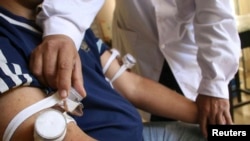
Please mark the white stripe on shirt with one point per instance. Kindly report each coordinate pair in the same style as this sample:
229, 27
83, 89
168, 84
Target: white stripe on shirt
9, 73
15, 22
99, 45
14, 76
3, 86
18, 71
2, 57
28, 78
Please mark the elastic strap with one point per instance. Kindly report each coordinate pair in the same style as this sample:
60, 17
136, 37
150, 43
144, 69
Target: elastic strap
120, 71
128, 62
32, 109
114, 54
26, 113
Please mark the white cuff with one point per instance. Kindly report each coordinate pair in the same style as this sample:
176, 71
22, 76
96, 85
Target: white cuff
54, 25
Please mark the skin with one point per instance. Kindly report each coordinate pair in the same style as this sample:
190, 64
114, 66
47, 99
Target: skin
150, 96
212, 110
21, 97
143, 96
15, 98
143, 93
61, 73
49, 64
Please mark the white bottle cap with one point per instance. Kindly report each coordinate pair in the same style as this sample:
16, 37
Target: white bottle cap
51, 125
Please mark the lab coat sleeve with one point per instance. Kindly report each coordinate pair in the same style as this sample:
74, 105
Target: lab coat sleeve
218, 46
68, 17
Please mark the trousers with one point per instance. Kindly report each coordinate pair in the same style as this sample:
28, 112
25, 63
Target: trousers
172, 131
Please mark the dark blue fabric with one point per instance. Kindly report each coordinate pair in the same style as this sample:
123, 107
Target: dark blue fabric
107, 115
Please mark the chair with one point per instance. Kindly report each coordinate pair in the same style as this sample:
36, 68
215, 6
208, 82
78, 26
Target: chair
235, 89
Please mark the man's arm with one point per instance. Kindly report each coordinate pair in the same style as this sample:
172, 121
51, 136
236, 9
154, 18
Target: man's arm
149, 95
18, 99
218, 56
54, 62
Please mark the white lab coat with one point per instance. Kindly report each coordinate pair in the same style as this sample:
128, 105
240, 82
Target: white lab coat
68, 17
198, 38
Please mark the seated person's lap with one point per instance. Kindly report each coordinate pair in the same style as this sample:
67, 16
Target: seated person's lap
171, 131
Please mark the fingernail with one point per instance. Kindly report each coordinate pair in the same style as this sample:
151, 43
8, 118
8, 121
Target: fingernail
63, 94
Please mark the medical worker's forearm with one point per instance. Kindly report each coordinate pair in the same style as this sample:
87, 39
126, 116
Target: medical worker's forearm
219, 46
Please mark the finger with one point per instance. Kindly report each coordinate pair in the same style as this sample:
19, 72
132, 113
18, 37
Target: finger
64, 72
77, 77
220, 119
213, 115
36, 65
203, 125
228, 118
50, 66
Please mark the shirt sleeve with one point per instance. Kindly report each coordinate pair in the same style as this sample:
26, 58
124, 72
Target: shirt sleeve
68, 17
219, 46
14, 71
91, 40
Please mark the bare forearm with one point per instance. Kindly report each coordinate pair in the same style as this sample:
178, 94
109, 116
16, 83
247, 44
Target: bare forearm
165, 102
158, 99
151, 96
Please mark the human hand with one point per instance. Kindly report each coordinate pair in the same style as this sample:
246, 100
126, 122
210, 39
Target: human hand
212, 110
56, 63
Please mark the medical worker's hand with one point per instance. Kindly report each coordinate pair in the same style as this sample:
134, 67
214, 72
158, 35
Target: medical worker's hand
56, 63
212, 110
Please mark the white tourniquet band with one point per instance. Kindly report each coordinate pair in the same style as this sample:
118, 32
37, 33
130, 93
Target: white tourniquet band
120, 71
114, 54
128, 62
40, 105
